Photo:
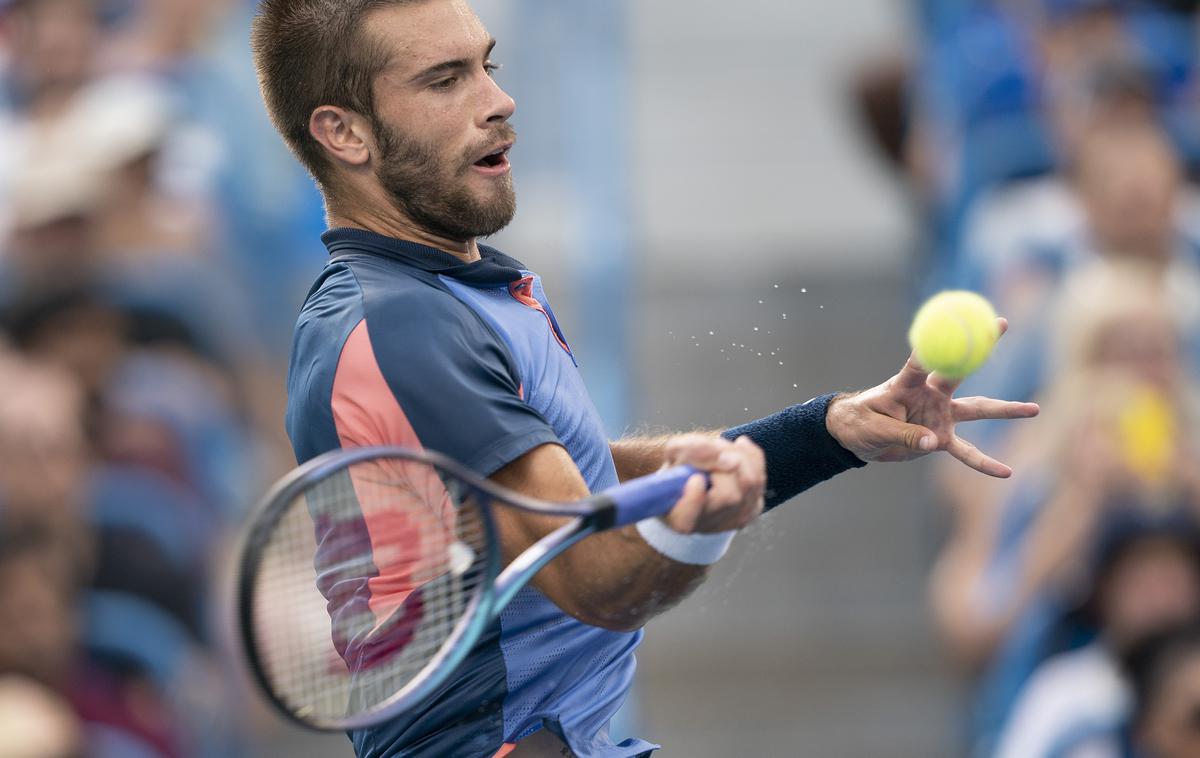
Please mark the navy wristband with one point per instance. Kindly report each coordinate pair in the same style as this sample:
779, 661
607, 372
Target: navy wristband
800, 450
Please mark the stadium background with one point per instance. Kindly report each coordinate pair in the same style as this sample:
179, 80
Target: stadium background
719, 229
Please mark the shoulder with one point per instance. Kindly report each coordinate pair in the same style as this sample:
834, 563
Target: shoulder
407, 303
1080, 687
1090, 666
1084, 681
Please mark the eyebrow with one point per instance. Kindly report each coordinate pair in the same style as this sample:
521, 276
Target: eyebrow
458, 64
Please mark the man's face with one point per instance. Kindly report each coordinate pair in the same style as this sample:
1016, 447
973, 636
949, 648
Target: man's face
441, 121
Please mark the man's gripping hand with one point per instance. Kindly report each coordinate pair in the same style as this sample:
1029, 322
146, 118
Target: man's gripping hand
738, 475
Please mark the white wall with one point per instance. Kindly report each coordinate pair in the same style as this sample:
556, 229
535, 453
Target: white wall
744, 136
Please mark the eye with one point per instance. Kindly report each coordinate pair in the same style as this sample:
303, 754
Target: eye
444, 84
491, 68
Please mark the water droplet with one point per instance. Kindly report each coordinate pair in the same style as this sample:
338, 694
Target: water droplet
760, 355
784, 316
747, 410
781, 363
822, 307
711, 333
760, 302
804, 290
797, 386
776, 286
756, 328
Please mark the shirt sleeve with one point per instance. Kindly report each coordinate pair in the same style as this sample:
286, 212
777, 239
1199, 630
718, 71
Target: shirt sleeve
423, 371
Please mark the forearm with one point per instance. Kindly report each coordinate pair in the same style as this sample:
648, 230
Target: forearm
611, 579
1058, 538
639, 456
621, 582
963, 616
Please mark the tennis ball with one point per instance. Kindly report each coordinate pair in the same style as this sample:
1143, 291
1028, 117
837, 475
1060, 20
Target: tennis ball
953, 333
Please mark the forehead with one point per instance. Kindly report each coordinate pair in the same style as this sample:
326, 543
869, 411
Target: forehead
428, 32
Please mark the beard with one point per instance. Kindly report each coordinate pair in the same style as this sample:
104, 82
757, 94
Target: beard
434, 195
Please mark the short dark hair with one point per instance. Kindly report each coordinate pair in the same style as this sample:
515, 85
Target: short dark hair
310, 53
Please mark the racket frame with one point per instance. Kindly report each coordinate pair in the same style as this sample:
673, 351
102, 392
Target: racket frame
619, 506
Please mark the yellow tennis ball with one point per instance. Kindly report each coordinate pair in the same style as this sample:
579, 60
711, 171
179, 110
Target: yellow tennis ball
953, 333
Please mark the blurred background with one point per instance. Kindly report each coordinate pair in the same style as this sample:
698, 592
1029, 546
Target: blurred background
736, 206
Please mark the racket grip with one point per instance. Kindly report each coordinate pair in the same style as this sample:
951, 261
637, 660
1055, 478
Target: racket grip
651, 495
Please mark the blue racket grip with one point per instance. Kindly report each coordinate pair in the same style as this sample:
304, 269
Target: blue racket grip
651, 495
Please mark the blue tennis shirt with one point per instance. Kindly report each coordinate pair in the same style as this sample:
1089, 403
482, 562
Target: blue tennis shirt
402, 344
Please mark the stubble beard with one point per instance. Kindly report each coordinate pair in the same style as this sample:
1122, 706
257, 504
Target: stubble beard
435, 196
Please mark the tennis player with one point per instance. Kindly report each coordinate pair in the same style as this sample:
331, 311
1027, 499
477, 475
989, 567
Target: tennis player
416, 334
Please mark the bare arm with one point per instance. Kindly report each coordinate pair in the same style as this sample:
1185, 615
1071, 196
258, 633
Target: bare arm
614, 579
1050, 550
638, 456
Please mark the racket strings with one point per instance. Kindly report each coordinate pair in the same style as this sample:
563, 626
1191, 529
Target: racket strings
363, 582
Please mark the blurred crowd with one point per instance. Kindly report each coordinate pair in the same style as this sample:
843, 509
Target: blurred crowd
156, 239
1052, 147
155, 242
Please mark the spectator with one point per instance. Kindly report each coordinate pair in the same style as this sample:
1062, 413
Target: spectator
1145, 579
52, 47
37, 610
43, 456
995, 586
1128, 181
998, 98
1165, 673
1117, 339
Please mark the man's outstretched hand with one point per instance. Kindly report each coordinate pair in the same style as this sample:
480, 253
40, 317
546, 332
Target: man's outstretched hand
913, 414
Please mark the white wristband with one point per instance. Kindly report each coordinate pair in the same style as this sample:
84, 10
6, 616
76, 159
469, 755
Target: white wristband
693, 549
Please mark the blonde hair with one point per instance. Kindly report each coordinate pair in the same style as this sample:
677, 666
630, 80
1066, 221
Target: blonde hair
1092, 303
1098, 297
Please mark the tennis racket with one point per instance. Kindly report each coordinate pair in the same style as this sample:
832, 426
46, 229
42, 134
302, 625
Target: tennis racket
367, 575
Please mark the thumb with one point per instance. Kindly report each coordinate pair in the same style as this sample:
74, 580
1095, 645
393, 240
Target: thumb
912, 436
690, 506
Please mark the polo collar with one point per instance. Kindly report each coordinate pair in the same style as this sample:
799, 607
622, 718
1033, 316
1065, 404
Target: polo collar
494, 267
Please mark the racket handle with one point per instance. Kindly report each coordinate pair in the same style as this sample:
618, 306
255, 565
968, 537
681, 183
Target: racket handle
651, 495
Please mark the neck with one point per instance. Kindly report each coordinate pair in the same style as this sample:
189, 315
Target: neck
391, 222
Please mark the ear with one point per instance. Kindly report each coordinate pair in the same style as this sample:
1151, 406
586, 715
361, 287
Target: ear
344, 134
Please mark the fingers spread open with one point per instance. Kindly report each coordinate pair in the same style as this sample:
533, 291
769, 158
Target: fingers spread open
913, 374
977, 459
944, 385
978, 408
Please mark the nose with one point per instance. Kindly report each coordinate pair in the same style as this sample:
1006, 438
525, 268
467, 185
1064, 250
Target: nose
499, 105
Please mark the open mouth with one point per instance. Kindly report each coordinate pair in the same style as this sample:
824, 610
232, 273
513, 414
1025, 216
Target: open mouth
498, 158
